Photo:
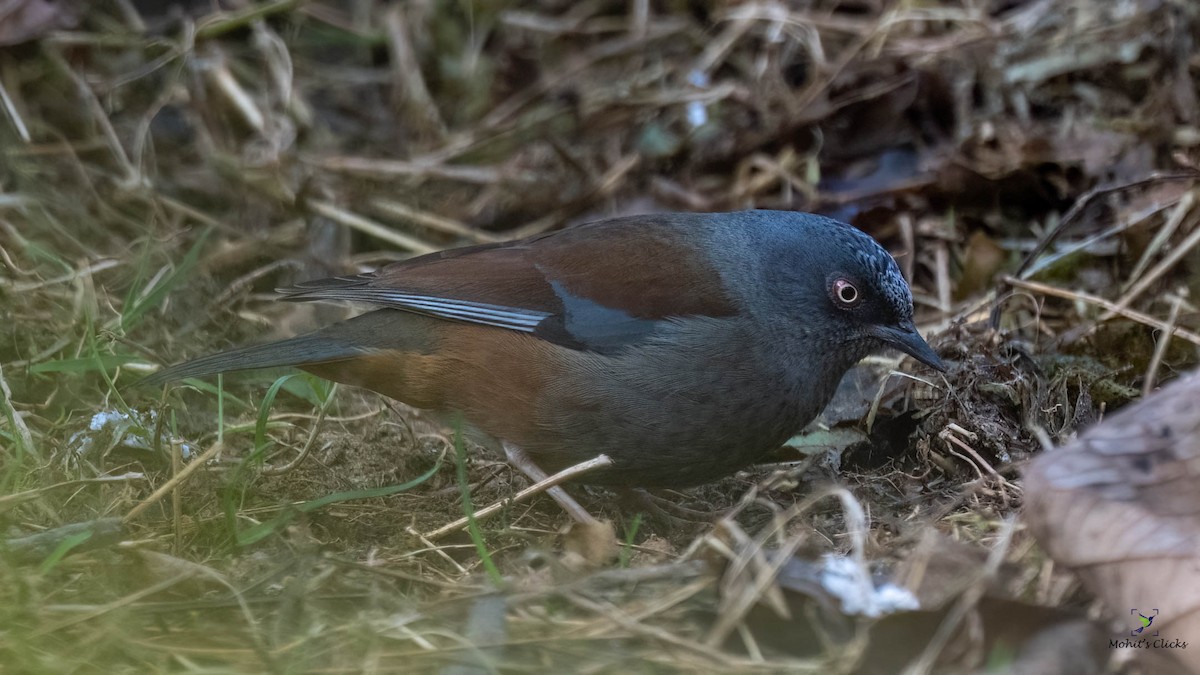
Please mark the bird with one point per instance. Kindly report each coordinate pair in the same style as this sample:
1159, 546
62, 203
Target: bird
683, 346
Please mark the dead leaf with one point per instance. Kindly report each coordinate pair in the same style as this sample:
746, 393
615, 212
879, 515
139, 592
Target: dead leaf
1121, 506
589, 545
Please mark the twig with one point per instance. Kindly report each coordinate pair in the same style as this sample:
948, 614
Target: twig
436, 549
1133, 315
19, 497
1160, 349
132, 178
1177, 253
1085, 200
603, 187
308, 443
563, 476
409, 88
176, 451
14, 418
953, 621
370, 227
757, 574
432, 220
14, 115
91, 268
220, 23
224, 81
178, 478
391, 168
908, 255
618, 617
101, 610
942, 265
1178, 212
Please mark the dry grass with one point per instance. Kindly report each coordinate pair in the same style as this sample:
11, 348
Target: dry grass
1030, 162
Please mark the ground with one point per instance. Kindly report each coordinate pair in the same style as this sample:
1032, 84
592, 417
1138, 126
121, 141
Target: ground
1030, 163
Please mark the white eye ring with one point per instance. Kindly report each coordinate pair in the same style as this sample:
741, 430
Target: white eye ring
845, 294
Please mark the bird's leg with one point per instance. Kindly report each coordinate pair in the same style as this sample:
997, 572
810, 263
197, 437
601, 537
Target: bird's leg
518, 458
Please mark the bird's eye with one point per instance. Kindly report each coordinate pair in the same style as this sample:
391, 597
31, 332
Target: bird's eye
845, 294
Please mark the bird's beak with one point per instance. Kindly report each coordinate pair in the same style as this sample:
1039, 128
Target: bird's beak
905, 337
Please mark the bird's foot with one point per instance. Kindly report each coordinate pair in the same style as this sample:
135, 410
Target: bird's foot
663, 510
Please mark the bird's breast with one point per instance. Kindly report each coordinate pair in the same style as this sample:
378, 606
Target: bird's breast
683, 410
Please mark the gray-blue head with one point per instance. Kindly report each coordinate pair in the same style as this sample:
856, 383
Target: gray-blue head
832, 271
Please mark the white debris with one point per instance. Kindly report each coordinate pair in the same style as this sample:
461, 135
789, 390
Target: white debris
846, 580
697, 111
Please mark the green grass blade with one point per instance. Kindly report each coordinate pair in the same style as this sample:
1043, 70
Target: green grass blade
630, 536
64, 547
261, 442
138, 306
464, 486
85, 364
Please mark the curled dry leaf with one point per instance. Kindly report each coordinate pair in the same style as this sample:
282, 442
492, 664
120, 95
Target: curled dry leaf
589, 545
1121, 507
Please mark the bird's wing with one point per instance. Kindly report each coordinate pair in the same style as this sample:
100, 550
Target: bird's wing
596, 287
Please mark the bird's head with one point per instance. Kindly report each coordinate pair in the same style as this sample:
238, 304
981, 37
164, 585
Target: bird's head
837, 274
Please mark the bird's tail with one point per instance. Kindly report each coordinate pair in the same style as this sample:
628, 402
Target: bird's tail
297, 351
